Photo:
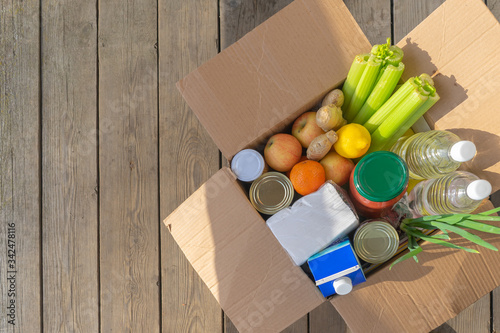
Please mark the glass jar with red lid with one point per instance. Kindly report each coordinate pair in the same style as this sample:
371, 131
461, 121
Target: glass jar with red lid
377, 182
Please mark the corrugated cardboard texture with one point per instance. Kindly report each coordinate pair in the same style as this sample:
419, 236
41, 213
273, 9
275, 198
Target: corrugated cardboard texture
419, 297
461, 41
274, 73
235, 254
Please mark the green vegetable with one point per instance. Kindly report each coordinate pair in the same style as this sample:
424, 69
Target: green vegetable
396, 119
448, 223
355, 73
364, 88
431, 100
384, 111
374, 86
380, 93
389, 54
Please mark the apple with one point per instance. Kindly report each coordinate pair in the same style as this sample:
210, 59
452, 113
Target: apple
305, 128
282, 152
337, 168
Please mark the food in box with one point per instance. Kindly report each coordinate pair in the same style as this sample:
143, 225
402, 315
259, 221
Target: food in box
256, 88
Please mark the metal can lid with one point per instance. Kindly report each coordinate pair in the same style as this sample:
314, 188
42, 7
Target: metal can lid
376, 242
247, 165
380, 176
271, 192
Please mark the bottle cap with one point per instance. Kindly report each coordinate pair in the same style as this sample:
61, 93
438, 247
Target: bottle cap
479, 189
463, 151
247, 165
342, 285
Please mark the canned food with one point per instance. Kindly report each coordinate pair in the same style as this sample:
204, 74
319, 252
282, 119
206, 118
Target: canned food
376, 241
271, 192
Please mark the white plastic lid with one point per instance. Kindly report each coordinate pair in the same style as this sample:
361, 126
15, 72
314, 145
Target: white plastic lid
342, 285
479, 189
247, 165
463, 151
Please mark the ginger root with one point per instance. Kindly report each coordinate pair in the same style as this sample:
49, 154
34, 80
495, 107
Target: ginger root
321, 145
336, 97
330, 117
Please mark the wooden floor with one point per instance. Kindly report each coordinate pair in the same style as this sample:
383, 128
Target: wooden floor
97, 147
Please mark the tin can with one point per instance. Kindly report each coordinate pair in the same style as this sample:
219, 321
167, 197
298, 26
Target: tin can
376, 241
377, 182
271, 192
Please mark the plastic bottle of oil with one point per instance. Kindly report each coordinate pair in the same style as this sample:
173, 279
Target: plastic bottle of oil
433, 154
459, 192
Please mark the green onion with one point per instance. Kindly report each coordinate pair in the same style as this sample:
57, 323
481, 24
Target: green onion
449, 222
400, 95
412, 253
479, 227
381, 92
363, 89
355, 73
421, 235
396, 119
492, 211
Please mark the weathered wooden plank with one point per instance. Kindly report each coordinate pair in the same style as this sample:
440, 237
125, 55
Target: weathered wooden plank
188, 157
128, 166
374, 18
476, 318
494, 6
326, 319
409, 13
238, 17
69, 167
19, 167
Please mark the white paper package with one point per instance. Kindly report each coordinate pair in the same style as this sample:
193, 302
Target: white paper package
313, 222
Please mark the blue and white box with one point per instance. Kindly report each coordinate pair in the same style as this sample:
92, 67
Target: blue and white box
336, 269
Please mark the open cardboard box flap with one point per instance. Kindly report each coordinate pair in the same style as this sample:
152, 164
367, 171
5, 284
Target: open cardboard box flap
274, 73
261, 84
244, 266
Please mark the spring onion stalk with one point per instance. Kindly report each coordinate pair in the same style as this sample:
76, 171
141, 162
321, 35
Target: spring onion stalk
355, 73
454, 223
363, 89
396, 119
380, 93
431, 100
386, 109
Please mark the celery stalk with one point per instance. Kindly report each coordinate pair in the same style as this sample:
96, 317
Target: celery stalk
363, 89
431, 100
389, 54
396, 119
355, 73
380, 93
400, 95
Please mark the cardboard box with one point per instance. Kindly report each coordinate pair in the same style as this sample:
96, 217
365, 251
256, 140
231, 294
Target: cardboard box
257, 87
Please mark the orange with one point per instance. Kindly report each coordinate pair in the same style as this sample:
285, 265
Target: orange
302, 158
307, 176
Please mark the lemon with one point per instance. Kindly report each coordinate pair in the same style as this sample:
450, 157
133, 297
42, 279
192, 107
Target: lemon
353, 142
